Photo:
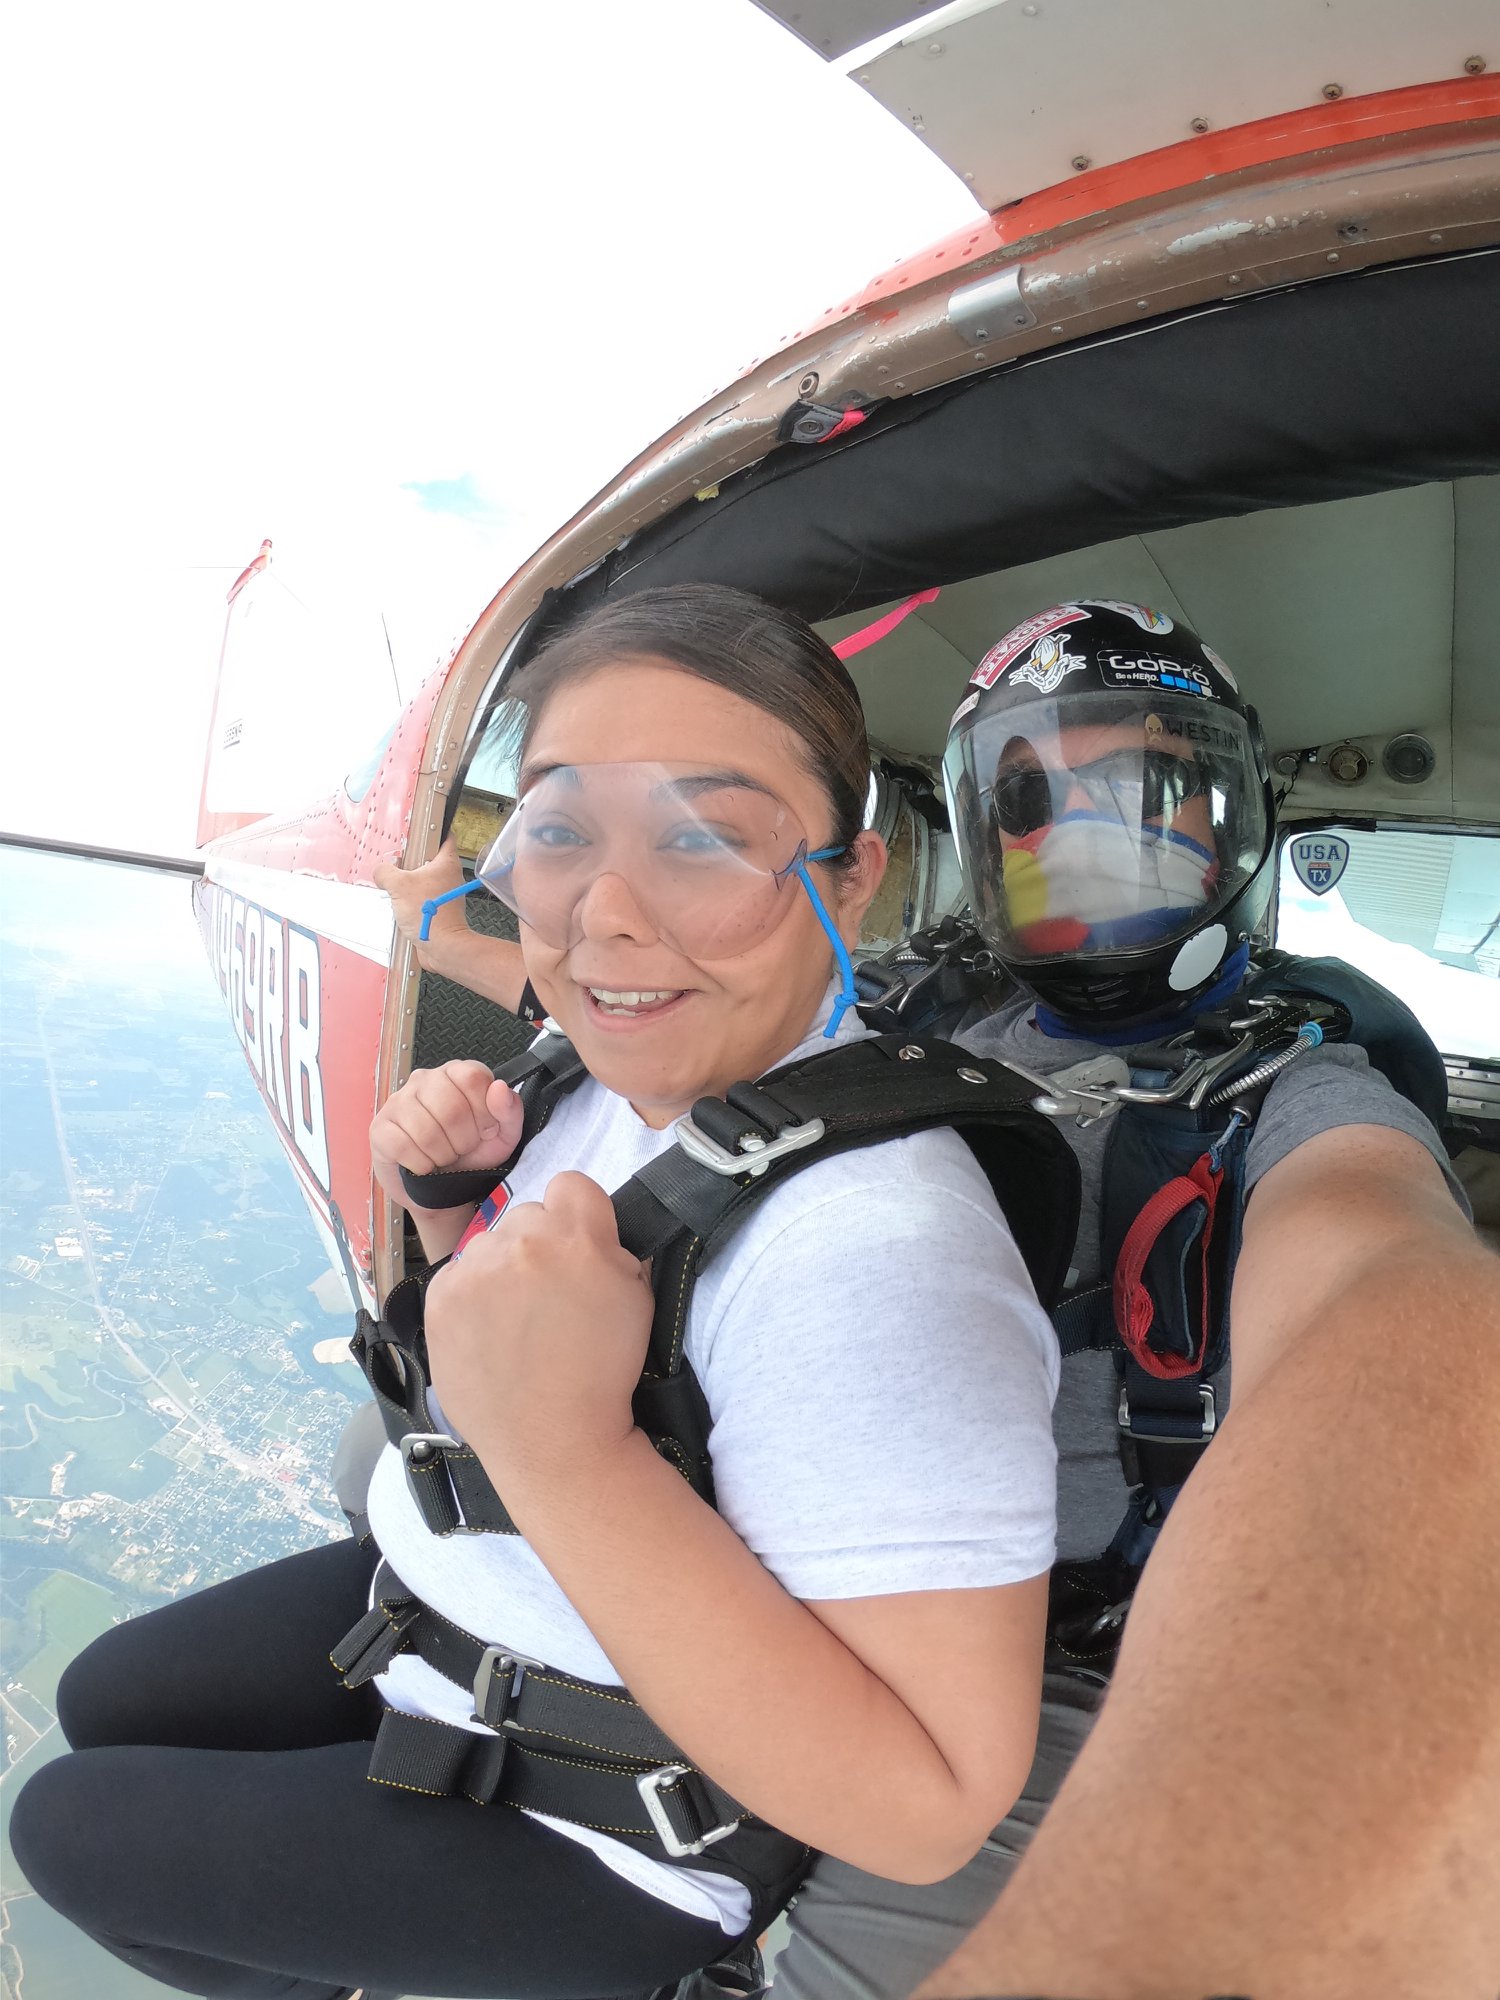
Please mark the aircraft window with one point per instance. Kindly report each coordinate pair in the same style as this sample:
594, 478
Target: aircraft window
493, 767
362, 776
1417, 910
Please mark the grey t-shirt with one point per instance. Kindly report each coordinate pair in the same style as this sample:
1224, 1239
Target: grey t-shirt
1329, 1087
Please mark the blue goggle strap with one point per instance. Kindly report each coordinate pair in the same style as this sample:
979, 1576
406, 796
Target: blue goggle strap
847, 997
434, 903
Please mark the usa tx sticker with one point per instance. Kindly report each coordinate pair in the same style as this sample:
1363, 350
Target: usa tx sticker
490, 1211
1320, 860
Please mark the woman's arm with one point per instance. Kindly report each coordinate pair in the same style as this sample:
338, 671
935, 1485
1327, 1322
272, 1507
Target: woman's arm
490, 966
892, 1731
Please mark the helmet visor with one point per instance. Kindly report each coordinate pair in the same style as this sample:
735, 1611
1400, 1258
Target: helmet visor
703, 860
1088, 825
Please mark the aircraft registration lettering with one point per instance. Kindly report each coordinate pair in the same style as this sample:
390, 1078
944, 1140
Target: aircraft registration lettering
273, 1021
304, 1028
268, 971
236, 994
254, 983
223, 925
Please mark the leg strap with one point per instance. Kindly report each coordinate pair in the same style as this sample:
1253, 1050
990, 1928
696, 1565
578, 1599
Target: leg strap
590, 1753
672, 1808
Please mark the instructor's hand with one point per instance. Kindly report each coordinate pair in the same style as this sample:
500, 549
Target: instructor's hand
444, 1120
409, 888
536, 1336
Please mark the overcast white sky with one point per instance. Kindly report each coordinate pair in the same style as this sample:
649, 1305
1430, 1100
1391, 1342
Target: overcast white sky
397, 287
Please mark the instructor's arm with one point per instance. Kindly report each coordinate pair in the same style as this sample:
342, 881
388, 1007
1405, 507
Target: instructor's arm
490, 966
1293, 1789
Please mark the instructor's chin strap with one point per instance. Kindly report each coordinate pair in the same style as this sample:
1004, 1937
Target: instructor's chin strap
1227, 983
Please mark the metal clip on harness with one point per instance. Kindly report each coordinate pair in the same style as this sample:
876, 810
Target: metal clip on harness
1087, 1092
755, 1153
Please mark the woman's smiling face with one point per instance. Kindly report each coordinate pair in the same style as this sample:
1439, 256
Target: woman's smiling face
705, 1022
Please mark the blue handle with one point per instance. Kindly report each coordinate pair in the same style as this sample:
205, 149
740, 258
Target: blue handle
434, 903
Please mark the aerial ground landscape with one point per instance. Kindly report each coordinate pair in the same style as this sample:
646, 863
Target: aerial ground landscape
170, 1388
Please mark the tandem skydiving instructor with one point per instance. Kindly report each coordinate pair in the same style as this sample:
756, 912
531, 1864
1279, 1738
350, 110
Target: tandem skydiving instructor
1293, 1789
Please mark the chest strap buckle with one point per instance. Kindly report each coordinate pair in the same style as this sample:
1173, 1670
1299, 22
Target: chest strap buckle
1161, 1447
671, 1797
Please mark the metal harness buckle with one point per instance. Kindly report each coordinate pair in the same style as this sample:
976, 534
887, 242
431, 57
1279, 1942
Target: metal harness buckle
756, 1153
418, 1449
497, 1686
650, 1785
1126, 1419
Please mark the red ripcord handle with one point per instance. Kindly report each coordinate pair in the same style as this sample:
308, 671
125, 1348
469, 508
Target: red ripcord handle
1134, 1311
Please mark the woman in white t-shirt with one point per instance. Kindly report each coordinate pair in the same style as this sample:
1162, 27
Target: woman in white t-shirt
848, 1643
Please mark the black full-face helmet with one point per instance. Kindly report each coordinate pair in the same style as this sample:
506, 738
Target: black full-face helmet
1113, 811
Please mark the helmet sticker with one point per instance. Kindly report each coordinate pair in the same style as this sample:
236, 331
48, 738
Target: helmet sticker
969, 701
1144, 616
1014, 644
1153, 671
1320, 860
1049, 661
1199, 729
1219, 667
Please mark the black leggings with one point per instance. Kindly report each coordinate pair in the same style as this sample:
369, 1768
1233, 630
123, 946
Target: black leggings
214, 1826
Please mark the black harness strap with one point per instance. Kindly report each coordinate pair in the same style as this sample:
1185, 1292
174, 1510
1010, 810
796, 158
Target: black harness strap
449, 1485
446, 1479
551, 1742
734, 1151
1084, 1322
570, 1748
541, 1077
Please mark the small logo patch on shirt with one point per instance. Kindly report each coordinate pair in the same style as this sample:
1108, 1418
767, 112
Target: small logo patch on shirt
489, 1213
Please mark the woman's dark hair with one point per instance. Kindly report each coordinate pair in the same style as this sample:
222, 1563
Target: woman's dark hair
736, 642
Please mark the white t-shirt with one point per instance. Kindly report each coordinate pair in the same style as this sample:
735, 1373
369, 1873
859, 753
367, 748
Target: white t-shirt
880, 1378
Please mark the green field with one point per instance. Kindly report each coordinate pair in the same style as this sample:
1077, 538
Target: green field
108, 1451
63, 1613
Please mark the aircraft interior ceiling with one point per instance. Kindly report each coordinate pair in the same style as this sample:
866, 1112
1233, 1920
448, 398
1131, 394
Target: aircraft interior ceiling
1310, 478
1352, 620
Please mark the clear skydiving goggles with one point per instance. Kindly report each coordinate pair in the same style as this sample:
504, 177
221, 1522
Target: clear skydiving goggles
708, 862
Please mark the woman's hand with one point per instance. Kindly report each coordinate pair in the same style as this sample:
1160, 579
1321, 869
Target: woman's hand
409, 888
536, 1336
444, 1120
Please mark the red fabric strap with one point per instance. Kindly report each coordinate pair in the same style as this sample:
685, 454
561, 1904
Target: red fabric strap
1134, 1311
846, 422
867, 635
